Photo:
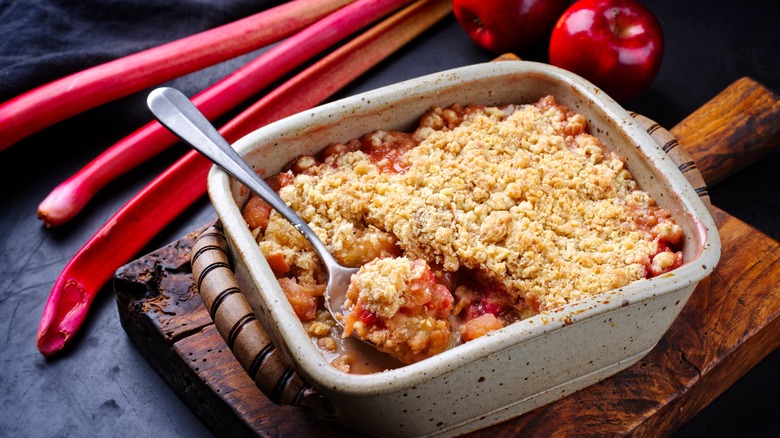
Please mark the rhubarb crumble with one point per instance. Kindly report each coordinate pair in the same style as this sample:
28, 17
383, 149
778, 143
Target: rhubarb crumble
480, 217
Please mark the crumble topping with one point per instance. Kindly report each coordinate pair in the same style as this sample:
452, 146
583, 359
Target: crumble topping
522, 194
390, 279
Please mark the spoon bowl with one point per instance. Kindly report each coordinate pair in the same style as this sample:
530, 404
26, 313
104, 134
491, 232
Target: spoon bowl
180, 116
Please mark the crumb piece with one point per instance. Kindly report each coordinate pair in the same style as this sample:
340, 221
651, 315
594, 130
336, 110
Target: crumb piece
327, 343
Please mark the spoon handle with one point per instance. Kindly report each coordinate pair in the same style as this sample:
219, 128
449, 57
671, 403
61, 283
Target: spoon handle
179, 115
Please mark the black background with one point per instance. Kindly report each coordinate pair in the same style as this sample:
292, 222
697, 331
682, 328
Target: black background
102, 386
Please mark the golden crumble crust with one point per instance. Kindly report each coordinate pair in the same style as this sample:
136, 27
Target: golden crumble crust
520, 194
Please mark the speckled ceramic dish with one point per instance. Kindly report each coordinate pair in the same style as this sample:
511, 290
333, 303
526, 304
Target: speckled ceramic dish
509, 371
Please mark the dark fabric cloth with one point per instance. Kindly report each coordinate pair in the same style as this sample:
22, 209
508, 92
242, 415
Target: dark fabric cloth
43, 40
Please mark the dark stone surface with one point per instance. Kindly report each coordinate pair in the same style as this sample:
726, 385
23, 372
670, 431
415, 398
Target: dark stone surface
102, 386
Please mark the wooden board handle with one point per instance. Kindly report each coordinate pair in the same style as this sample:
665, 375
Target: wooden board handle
736, 128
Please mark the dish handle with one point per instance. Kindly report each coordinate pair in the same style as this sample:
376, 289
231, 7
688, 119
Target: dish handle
242, 332
678, 154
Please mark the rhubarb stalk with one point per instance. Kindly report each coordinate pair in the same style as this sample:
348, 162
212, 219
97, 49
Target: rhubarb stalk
67, 199
63, 98
166, 197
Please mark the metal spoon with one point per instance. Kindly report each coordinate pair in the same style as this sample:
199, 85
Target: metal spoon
175, 111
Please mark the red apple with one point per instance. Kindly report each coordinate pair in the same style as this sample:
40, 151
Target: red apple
508, 25
616, 44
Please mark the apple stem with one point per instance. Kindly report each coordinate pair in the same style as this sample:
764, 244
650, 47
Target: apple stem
613, 22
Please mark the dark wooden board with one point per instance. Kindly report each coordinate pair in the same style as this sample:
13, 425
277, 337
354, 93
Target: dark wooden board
731, 322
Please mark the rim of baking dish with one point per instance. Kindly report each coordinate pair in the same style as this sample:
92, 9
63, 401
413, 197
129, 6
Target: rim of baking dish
304, 355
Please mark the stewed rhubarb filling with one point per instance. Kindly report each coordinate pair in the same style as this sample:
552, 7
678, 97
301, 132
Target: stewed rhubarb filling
480, 217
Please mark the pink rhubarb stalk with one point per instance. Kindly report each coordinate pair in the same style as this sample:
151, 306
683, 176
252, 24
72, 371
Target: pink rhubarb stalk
67, 199
63, 98
165, 198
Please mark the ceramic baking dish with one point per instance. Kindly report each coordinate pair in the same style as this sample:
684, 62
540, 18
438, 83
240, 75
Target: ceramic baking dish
509, 371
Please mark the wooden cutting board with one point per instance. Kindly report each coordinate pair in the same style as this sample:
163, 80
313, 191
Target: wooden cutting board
731, 322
